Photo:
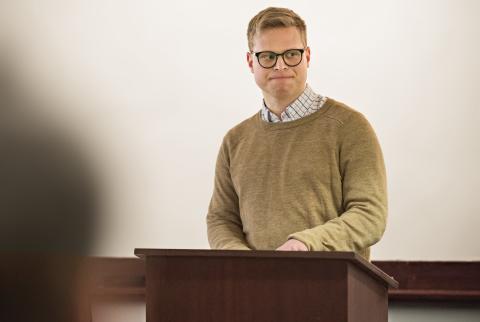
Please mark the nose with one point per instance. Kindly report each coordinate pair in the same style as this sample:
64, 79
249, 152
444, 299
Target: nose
280, 64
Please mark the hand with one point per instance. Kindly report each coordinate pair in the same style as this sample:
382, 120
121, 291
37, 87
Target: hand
293, 244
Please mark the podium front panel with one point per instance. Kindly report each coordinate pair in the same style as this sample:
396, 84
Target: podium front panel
181, 289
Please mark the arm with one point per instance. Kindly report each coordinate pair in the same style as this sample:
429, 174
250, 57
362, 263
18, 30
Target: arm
364, 193
224, 226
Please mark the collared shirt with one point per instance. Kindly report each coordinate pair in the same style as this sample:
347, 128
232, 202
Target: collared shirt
307, 103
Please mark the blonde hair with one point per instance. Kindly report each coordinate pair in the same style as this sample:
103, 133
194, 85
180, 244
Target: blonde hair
273, 17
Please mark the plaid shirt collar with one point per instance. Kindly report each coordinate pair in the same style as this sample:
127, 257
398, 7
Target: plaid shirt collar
307, 103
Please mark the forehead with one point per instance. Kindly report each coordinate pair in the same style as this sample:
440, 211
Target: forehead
277, 39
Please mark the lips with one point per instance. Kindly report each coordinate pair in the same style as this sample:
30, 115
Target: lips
281, 77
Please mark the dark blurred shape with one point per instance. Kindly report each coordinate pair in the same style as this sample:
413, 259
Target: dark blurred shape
47, 210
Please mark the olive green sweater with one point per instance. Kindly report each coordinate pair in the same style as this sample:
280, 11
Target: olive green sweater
320, 180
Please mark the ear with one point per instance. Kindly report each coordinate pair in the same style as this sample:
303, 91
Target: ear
307, 56
250, 61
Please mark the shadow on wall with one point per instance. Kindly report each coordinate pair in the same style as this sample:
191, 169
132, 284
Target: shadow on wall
48, 205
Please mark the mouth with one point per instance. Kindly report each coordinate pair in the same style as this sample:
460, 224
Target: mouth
281, 77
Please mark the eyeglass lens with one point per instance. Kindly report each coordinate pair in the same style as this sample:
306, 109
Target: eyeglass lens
268, 59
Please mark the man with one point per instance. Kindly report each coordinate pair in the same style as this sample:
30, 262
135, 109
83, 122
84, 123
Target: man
306, 172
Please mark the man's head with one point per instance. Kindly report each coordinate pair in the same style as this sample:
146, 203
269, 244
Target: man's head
271, 32
271, 18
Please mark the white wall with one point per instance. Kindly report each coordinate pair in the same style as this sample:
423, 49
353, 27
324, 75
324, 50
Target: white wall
149, 88
431, 311
397, 312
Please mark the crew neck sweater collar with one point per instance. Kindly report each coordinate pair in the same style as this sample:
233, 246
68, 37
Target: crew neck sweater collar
307, 103
285, 125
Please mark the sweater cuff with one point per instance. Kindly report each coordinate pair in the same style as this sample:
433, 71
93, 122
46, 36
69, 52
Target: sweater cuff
235, 246
299, 236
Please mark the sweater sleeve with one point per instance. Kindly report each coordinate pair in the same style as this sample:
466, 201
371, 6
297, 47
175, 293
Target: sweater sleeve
224, 226
364, 193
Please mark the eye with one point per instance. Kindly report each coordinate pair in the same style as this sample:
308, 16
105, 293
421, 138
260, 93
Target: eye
267, 56
292, 53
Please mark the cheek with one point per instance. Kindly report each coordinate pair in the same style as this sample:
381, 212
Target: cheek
302, 72
260, 77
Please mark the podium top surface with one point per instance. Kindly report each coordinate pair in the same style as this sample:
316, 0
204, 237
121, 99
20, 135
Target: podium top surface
351, 257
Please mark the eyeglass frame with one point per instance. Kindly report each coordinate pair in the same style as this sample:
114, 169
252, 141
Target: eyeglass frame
257, 54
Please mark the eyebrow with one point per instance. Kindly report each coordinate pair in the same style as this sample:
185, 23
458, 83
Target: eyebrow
272, 51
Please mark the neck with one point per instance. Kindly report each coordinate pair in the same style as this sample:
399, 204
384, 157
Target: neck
278, 104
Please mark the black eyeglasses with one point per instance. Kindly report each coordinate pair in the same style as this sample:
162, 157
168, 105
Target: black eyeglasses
268, 59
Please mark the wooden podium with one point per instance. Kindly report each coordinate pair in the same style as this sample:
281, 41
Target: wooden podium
263, 286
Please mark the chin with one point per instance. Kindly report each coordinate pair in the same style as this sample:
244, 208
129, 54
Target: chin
282, 90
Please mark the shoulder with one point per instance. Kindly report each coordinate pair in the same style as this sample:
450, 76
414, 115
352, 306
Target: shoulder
353, 126
344, 114
241, 130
